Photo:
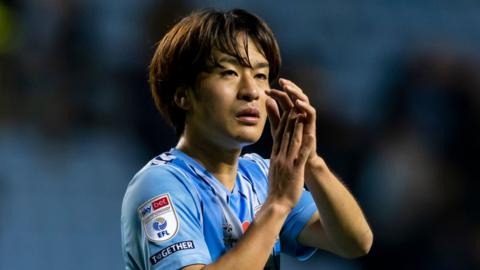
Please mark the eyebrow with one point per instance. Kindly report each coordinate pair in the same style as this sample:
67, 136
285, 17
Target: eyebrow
234, 61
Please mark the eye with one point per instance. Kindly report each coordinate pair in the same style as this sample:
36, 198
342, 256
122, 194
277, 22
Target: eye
229, 73
261, 76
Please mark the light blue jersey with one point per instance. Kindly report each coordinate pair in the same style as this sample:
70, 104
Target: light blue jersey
175, 213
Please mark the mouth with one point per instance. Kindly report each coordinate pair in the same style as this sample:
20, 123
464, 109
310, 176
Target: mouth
248, 116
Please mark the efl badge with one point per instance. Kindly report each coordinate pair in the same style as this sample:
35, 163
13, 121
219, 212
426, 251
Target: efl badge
159, 219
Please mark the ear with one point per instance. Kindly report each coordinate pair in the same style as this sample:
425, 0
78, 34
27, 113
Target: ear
182, 98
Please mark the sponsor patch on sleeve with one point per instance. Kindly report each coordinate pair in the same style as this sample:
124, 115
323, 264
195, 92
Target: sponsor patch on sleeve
170, 250
159, 219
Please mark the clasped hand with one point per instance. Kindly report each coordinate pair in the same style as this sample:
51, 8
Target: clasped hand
292, 122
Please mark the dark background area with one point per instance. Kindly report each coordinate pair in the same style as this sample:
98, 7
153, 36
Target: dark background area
395, 85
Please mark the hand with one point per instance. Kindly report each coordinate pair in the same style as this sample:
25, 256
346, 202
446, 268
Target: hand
292, 145
293, 96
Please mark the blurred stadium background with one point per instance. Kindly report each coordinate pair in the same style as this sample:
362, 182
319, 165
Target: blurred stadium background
395, 84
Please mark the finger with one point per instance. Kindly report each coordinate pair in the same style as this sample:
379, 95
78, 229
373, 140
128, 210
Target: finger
305, 149
310, 112
287, 134
293, 90
273, 114
282, 98
296, 140
277, 139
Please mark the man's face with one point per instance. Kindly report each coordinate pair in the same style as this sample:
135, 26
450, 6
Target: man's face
228, 102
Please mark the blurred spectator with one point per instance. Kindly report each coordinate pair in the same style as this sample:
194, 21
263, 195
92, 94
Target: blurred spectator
418, 185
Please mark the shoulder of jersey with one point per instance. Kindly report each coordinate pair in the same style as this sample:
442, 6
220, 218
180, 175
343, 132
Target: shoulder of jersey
162, 159
162, 162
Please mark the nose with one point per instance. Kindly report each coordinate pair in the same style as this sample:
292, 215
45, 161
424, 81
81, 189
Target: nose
248, 89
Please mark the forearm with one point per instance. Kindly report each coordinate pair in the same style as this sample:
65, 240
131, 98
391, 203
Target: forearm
254, 248
340, 215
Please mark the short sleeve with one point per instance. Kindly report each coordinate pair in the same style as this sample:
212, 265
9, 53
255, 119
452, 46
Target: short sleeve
296, 221
162, 221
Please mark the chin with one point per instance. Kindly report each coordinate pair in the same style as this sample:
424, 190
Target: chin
246, 135
247, 139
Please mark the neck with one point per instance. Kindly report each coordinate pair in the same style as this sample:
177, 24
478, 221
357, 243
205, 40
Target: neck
220, 162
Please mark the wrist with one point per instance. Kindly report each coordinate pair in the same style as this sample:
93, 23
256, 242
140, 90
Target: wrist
315, 162
315, 166
277, 207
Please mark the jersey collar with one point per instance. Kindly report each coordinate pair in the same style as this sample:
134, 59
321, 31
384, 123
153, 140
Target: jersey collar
217, 187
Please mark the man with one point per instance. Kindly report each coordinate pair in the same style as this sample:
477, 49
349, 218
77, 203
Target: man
203, 206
